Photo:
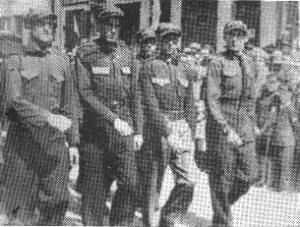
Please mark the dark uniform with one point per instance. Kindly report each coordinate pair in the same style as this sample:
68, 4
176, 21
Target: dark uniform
230, 104
107, 83
36, 156
169, 112
10, 44
264, 120
297, 146
147, 163
282, 144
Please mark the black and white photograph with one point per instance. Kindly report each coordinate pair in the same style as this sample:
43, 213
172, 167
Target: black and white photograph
150, 113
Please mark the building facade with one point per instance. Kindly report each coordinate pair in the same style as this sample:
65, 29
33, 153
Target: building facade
201, 20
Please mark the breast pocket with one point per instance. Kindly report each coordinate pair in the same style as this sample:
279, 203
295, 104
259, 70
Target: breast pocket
101, 77
56, 80
30, 81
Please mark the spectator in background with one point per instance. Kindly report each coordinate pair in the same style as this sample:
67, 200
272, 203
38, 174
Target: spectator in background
282, 144
263, 121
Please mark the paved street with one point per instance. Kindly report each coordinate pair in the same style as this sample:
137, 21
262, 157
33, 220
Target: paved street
259, 208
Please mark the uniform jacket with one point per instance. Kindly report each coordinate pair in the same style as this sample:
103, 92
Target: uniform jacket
108, 86
37, 84
284, 125
230, 99
167, 87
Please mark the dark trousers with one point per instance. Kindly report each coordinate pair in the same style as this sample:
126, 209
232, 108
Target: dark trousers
234, 172
104, 159
181, 195
150, 181
281, 168
223, 195
35, 176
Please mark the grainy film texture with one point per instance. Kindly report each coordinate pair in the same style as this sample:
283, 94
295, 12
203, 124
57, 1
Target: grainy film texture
155, 113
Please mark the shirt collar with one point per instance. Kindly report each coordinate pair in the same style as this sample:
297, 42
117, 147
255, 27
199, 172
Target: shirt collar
32, 48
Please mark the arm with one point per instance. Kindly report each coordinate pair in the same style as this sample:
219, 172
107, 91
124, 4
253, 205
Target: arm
151, 103
213, 94
25, 111
87, 94
69, 106
293, 118
137, 100
189, 106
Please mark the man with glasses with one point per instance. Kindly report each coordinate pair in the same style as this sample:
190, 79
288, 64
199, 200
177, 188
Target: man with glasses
39, 96
111, 131
230, 129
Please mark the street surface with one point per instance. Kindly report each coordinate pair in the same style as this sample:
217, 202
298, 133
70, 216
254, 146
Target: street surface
259, 208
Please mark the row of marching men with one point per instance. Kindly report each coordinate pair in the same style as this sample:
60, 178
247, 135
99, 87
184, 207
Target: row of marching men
119, 117
137, 116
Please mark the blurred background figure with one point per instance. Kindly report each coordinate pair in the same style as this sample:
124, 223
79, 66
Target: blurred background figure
263, 122
282, 144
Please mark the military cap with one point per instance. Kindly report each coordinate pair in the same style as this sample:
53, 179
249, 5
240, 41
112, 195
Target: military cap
112, 11
36, 16
167, 28
195, 46
146, 34
235, 25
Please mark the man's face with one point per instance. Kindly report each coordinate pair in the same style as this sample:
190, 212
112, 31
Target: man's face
272, 84
235, 40
148, 47
43, 33
110, 29
170, 45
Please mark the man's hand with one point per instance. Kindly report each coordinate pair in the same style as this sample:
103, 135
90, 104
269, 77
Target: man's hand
257, 131
60, 122
123, 127
74, 156
137, 142
234, 138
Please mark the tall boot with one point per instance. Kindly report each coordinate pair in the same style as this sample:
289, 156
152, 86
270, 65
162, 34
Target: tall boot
53, 214
177, 205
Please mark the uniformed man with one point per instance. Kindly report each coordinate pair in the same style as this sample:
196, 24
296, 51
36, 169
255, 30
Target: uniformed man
282, 144
147, 42
230, 123
195, 48
169, 108
149, 190
111, 131
264, 121
40, 106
